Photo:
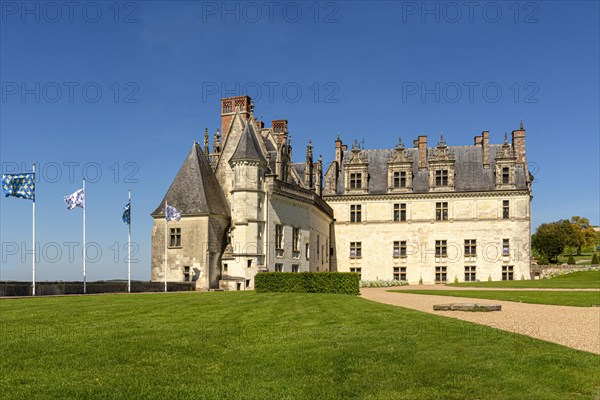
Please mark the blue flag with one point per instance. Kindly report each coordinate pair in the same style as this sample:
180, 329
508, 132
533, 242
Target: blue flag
76, 199
127, 214
172, 214
19, 185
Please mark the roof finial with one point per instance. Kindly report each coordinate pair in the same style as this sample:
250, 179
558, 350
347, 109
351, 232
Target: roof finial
505, 139
521, 126
338, 138
355, 145
400, 144
442, 141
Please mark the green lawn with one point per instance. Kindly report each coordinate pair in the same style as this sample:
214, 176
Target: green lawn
238, 345
575, 280
577, 299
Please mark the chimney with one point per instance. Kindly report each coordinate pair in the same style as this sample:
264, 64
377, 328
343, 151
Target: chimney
338, 150
229, 106
260, 124
485, 148
478, 140
518, 142
308, 170
416, 143
422, 148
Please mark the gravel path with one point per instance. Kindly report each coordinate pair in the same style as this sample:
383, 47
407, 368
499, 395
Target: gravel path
444, 287
576, 327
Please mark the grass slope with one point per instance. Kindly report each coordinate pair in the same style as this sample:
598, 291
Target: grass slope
245, 345
575, 280
577, 299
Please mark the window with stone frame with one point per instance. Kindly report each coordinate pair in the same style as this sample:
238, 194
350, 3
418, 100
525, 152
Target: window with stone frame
357, 270
441, 211
505, 247
400, 249
441, 248
356, 180
296, 242
307, 250
400, 273
355, 213
441, 177
355, 249
399, 212
399, 179
441, 274
295, 267
507, 273
505, 175
186, 274
470, 273
470, 247
278, 267
505, 209
174, 237
279, 240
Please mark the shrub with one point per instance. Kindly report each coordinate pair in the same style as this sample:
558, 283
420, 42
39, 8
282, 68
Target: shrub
543, 261
595, 259
571, 260
307, 282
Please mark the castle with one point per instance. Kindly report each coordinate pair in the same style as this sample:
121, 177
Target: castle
420, 214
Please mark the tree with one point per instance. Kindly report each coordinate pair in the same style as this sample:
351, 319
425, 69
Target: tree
583, 233
595, 259
550, 239
571, 260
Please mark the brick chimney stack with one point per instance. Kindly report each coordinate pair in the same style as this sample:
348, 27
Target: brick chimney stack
422, 149
338, 150
229, 106
485, 148
518, 142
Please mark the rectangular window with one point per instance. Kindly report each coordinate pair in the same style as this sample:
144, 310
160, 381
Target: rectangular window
225, 267
278, 267
470, 275
440, 274
279, 240
403, 179
399, 212
507, 272
441, 248
175, 237
355, 249
357, 270
441, 177
441, 211
249, 263
356, 180
400, 249
295, 267
470, 248
307, 250
400, 273
296, 242
505, 247
355, 213
505, 175
186, 274
396, 180
505, 209
247, 283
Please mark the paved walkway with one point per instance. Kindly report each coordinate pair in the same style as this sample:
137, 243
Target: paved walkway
576, 327
445, 287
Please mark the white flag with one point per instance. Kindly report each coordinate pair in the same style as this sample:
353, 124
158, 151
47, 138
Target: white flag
172, 214
77, 199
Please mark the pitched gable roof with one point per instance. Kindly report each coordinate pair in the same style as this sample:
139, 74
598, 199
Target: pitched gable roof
195, 189
248, 147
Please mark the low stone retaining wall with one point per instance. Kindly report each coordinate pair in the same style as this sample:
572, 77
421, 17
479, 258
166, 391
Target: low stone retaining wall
548, 271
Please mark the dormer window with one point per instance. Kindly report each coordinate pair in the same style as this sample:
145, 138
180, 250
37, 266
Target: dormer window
505, 176
441, 177
399, 179
356, 181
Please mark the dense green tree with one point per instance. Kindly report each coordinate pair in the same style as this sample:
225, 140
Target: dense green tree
583, 233
550, 239
595, 259
571, 260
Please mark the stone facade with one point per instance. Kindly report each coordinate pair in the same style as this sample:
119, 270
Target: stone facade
421, 214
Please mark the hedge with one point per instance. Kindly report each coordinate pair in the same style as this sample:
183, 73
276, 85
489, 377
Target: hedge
60, 288
308, 282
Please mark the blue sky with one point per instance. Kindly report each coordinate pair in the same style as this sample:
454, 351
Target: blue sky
119, 91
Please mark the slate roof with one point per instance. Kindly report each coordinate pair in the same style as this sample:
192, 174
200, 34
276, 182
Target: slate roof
248, 147
468, 167
195, 189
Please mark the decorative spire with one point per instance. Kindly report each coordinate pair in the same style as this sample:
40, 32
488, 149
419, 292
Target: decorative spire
521, 126
400, 144
506, 137
442, 142
355, 145
206, 149
309, 149
338, 138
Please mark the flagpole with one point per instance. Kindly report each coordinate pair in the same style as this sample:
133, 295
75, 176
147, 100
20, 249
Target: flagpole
129, 248
84, 255
166, 222
33, 234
